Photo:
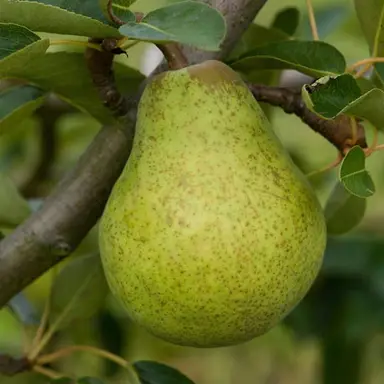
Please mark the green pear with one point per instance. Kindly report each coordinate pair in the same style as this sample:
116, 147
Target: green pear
211, 235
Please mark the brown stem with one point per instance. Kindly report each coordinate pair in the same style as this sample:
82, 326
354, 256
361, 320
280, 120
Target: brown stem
337, 131
100, 65
112, 16
10, 366
174, 56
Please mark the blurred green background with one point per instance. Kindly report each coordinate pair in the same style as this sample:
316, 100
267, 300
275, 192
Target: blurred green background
335, 336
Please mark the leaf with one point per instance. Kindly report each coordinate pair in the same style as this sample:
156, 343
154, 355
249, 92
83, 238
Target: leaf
120, 9
255, 36
313, 58
14, 37
287, 20
17, 103
151, 372
113, 332
66, 74
353, 174
188, 22
16, 50
23, 309
68, 17
78, 291
13, 208
371, 17
343, 211
331, 97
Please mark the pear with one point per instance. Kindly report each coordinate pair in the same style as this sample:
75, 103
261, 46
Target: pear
211, 235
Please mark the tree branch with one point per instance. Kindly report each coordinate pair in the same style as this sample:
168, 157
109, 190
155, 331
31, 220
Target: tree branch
337, 131
54, 231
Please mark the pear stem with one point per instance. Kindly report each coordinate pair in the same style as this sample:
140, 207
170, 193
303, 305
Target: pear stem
174, 56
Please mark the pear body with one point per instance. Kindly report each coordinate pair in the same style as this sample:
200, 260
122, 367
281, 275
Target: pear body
211, 235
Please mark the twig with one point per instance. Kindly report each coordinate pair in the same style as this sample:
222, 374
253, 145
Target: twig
100, 68
312, 20
337, 131
111, 14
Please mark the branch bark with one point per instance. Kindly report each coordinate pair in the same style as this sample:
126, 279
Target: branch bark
72, 210
337, 131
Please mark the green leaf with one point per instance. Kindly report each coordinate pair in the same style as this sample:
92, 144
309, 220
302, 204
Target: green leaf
343, 211
353, 174
313, 58
188, 22
330, 97
152, 372
17, 103
18, 45
23, 309
66, 74
13, 208
371, 16
120, 9
68, 17
13, 38
255, 36
78, 291
287, 20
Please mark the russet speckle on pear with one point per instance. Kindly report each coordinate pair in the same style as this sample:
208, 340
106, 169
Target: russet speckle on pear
211, 235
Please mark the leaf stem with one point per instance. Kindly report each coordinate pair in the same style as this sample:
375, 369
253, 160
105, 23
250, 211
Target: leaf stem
76, 42
34, 353
49, 358
312, 20
363, 71
374, 145
334, 164
369, 61
47, 372
40, 330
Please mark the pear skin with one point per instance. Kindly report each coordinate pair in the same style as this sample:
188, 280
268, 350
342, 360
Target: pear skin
211, 235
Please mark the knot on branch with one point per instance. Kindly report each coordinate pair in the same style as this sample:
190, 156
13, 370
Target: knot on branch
10, 366
337, 131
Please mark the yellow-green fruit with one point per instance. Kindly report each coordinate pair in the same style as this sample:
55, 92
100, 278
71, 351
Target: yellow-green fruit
211, 235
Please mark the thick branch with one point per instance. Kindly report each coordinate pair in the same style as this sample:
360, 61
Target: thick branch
66, 216
337, 131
